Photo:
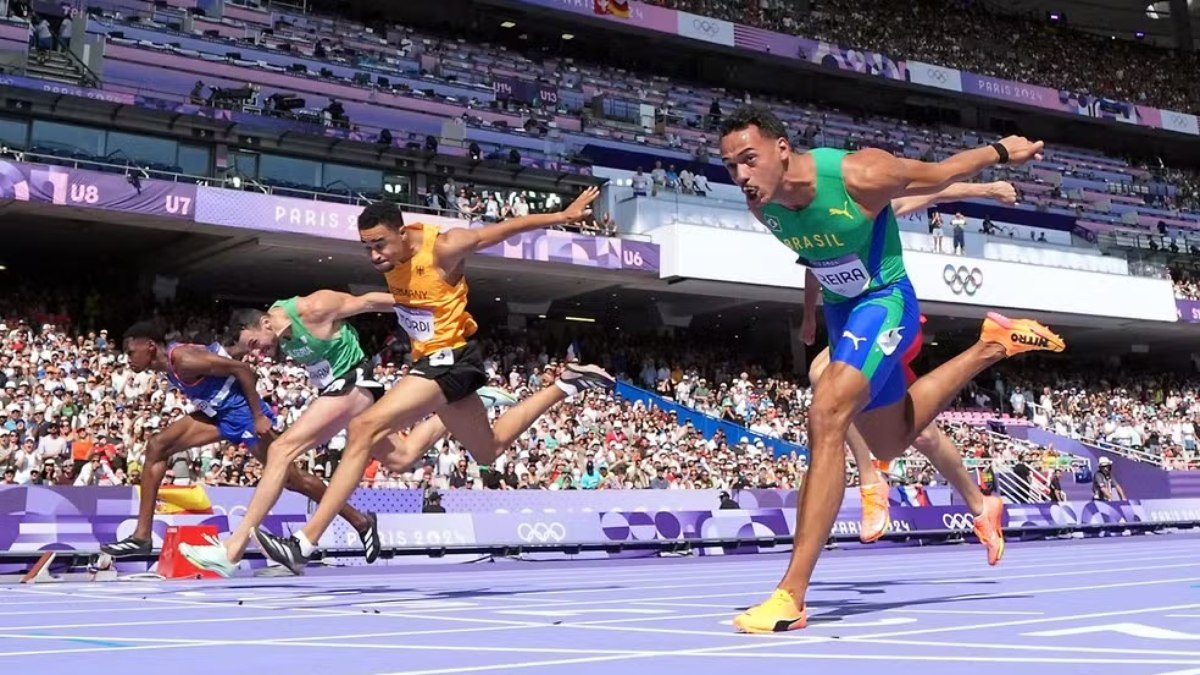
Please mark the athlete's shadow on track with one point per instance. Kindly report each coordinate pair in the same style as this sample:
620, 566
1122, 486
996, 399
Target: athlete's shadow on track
845, 609
357, 595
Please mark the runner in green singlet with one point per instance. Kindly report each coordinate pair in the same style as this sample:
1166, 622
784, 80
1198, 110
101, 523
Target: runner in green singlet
873, 489
312, 331
834, 210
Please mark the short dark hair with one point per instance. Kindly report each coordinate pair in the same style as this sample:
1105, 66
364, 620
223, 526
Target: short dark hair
147, 330
383, 213
754, 116
239, 319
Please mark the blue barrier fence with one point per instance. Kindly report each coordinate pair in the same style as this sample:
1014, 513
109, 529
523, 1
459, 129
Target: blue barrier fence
706, 424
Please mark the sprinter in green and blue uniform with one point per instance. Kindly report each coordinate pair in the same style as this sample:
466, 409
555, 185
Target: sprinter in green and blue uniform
834, 210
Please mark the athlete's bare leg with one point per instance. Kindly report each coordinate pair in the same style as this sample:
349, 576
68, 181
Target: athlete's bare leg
932, 442
838, 399
867, 475
182, 434
948, 460
321, 421
416, 400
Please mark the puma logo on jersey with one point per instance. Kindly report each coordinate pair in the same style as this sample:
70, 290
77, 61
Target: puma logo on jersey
854, 338
844, 211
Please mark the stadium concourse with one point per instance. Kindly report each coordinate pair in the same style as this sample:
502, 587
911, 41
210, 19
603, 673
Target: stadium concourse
179, 160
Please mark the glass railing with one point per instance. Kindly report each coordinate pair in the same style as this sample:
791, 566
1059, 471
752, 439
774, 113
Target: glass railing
641, 215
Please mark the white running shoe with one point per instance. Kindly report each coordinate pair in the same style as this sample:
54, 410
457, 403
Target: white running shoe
576, 378
494, 397
211, 558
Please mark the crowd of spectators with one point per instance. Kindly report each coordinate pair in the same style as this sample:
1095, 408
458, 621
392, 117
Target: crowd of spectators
978, 37
475, 203
1152, 413
1187, 286
72, 412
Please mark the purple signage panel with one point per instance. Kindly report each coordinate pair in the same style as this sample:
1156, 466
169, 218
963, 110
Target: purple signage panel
1188, 311
38, 518
834, 56
1085, 105
233, 208
92, 189
14, 36
1013, 92
249, 210
67, 89
579, 249
82, 518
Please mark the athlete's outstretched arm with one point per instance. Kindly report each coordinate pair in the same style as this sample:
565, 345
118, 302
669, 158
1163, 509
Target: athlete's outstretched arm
194, 363
876, 177
458, 243
999, 191
333, 305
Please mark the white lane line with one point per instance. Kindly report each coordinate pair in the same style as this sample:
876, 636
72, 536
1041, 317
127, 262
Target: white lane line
1024, 647
984, 612
94, 650
1020, 622
4, 630
105, 610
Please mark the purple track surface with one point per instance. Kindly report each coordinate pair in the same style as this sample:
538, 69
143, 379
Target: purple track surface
1127, 605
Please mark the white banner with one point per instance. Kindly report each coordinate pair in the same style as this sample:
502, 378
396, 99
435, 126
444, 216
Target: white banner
705, 28
930, 75
698, 252
1181, 122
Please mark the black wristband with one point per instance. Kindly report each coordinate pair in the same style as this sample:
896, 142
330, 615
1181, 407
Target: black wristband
1002, 151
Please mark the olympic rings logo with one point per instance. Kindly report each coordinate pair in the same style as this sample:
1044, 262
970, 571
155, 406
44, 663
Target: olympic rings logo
1177, 121
709, 28
541, 532
958, 521
962, 280
936, 74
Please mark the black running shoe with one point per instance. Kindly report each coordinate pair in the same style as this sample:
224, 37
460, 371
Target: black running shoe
129, 546
283, 550
370, 538
576, 378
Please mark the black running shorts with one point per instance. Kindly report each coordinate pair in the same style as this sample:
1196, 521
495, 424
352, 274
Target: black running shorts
358, 377
458, 372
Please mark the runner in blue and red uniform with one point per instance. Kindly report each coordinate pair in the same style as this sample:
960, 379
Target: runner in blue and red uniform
228, 408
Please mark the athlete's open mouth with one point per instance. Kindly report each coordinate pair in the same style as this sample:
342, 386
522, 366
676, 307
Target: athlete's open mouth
751, 193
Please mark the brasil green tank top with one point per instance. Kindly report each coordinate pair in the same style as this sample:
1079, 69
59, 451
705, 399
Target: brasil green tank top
849, 253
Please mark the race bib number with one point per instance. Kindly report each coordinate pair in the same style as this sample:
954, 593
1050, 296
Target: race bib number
846, 276
206, 407
442, 357
418, 323
321, 374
